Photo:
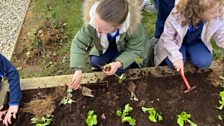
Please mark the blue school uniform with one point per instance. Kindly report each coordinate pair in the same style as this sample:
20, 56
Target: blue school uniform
110, 55
164, 9
194, 48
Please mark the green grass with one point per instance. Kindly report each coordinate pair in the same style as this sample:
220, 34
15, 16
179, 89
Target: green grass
70, 11
218, 53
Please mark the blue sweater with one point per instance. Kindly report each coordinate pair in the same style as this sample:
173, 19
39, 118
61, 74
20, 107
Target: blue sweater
9, 71
193, 35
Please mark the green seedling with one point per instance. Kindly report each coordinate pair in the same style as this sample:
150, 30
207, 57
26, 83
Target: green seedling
122, 77
220, 117
183, 118
125, 117
42, 121
154, 116
221, 77
221, 102
91, 118
68, 98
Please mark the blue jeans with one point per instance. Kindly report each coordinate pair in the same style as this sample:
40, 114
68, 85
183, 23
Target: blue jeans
164, 8
198, 54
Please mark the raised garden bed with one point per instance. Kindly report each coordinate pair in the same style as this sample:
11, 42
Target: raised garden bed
165, 94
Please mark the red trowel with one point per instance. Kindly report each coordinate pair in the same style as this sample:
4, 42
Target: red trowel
189, 88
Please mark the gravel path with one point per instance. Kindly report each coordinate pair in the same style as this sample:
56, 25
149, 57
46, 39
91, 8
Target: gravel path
12, 13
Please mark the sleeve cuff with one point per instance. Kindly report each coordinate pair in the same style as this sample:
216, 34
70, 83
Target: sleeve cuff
13, 104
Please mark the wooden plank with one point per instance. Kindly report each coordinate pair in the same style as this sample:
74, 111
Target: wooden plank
54, 81
3, 92
98, 77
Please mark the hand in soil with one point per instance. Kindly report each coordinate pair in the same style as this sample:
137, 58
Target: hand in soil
111, 68
179, 65
10, 113
2, 113
75, 83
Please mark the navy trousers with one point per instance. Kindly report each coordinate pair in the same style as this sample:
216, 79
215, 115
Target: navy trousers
198, 54
109, 56
164, 9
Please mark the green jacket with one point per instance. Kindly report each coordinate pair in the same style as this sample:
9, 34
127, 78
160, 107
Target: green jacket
134, 45
132, 48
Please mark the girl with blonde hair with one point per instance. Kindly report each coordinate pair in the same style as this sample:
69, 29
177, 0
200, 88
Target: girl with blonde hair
188, 32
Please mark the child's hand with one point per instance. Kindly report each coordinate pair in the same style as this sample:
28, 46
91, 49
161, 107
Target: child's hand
2, 113
10, 113
75, 83
179, 65
114, 66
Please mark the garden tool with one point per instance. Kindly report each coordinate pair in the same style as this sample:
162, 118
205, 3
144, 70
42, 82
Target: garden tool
189, 88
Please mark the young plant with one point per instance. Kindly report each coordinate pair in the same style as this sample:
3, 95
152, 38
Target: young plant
122, 77
220, 117
221, 102
154, 116
68, 98
125, 117
183, 118
42, 121
91, 118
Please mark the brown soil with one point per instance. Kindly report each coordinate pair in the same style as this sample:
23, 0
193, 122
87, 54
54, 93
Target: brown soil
38, 43
45, 104
164, 94
31, 22
216, 72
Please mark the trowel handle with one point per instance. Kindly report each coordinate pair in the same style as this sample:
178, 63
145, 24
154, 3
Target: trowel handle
185, 80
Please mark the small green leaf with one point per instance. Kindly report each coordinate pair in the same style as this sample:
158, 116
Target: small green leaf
221, 77
154, 116
130, 120
91, 118
119, 113
191, 123
69, 95
125, 115
121, 78
145, 109
34, 120
90, 113
185, 117
69, 90
127, 108
221, 102
220, 117
159, 117
42, 121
